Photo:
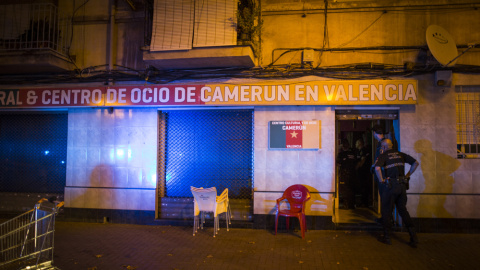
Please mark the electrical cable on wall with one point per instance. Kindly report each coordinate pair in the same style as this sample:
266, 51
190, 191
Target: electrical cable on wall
359, 34
71, 35
325, 34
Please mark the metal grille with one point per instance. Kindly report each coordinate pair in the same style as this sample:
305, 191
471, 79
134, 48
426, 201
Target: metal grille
206, 148
33, 152
468, 124
33, 26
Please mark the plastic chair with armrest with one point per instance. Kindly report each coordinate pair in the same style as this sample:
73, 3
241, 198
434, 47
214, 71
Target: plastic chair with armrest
297, 196
223, 206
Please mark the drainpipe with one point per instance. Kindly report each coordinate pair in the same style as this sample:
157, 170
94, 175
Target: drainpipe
110, 37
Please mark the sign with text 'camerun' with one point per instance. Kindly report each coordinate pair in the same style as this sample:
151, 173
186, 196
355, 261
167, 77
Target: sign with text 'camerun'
293, 134
374, 92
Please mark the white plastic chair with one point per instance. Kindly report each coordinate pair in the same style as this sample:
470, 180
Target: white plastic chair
223, 206
206, 200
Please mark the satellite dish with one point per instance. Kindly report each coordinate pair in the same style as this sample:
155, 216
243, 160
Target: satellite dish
442, 45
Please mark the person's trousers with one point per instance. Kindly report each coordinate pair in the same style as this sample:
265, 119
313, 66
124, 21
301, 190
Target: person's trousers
364, 187
396, 195
347, 182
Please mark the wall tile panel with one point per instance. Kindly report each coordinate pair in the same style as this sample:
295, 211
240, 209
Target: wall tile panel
476, 183
463, 182
465, 206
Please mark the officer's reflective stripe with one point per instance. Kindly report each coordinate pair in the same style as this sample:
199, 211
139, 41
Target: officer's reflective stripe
394, 165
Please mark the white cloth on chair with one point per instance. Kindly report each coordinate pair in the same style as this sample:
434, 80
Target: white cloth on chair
206, 200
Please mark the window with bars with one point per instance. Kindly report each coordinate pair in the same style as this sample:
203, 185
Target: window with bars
468, 122
32, 26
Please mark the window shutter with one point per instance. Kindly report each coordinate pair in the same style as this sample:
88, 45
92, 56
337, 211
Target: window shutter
172, 27
215, 23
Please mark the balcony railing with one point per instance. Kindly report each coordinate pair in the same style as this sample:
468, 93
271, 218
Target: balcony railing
33, 27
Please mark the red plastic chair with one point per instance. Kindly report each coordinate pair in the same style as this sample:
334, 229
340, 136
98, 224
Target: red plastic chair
297, 196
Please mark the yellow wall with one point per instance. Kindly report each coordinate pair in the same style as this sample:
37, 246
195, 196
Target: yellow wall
442, 187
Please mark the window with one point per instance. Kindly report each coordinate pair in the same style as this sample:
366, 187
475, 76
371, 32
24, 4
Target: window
32, 26
468, 122
184, 24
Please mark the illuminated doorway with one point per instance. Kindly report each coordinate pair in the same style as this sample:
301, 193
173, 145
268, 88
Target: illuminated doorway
355, 125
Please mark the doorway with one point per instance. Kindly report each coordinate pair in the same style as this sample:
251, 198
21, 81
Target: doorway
355, 126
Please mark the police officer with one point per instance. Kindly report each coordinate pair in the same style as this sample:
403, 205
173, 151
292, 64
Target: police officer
394, 188
347, 161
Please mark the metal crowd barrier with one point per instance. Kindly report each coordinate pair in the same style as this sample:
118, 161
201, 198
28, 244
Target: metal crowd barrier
26, 241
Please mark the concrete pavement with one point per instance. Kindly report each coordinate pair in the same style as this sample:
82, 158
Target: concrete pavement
122, 246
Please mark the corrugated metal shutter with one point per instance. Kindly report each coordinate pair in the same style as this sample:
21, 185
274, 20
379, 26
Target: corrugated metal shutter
172, 27
33, 152
206, 148
215, 23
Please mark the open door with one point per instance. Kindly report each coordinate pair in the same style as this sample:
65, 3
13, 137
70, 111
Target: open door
355, 125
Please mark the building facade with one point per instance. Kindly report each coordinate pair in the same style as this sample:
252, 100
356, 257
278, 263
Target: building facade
145, 85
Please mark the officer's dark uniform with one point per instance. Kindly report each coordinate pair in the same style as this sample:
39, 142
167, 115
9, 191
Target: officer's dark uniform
347, 161
393, 193
377, 154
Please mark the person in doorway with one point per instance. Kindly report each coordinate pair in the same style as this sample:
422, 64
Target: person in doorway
379, 135
394, 193
364, 181
346, 160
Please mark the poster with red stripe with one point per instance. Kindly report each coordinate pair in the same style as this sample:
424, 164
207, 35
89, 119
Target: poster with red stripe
294, 135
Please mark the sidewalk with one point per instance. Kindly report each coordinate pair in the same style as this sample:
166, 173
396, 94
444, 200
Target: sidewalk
120, 246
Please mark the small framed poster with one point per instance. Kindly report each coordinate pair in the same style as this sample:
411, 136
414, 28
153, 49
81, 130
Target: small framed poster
294, 135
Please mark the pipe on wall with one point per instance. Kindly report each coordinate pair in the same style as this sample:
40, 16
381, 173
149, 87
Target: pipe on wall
110, 36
